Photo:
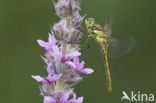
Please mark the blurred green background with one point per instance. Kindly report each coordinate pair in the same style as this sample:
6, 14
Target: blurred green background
22, 22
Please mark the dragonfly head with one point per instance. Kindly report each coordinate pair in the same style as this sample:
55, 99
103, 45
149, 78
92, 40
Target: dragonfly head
89, 22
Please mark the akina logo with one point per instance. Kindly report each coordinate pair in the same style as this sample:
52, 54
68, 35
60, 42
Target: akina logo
137, 96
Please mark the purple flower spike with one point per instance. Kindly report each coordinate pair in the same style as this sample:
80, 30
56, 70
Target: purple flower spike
79, 67
50, 78
62, 55
48, 45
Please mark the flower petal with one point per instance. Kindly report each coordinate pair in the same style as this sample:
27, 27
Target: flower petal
56, 52
49, 99
81, 65
52, 39
73, 54
49, 69
38, 78
42, 43
74, 100
54, 77
86, 71
71, 64
66, 96
76, 61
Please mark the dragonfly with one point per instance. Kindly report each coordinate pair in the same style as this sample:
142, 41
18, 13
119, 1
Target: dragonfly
109, 46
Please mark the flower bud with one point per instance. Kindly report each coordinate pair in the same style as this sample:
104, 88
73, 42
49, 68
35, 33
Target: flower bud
77, 20
66, 8
74, 39
71, 77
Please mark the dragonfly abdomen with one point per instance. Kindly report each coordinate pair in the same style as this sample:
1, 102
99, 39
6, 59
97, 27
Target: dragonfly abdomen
108, 75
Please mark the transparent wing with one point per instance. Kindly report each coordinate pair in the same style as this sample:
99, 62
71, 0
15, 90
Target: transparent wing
108, 27
120, 47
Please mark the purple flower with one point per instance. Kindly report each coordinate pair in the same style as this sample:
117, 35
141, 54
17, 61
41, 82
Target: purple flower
48, 45
79, 67
64, 98
50, 78
64, 59
49, 99
74, 100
